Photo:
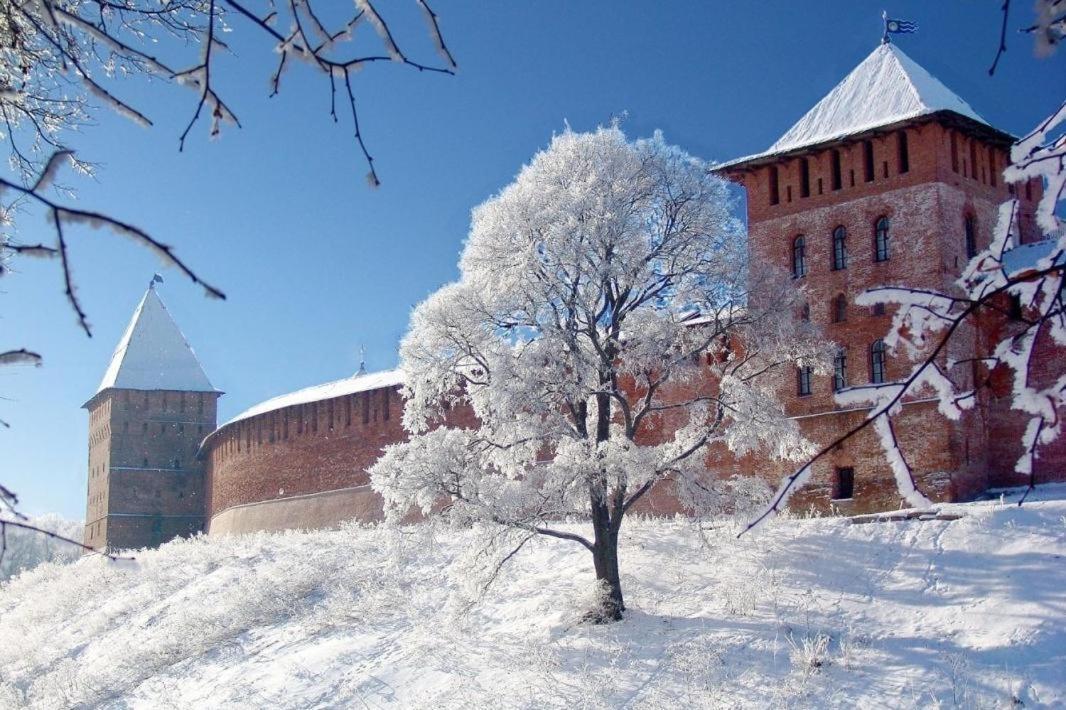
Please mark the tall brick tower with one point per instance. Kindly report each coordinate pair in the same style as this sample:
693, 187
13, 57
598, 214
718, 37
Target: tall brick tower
146, 420
891, 179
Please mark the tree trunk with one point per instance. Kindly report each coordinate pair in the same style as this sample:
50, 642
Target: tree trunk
605, 560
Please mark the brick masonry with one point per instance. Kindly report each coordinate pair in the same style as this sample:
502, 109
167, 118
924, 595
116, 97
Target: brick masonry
305, 465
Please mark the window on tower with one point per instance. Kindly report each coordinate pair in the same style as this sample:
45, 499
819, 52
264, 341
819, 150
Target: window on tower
799, 257
881, 239
775, 188
868, 160
840, 308
844, 485
878, 362
837, 175
840, 248
805, 178
904, 153
803, 381
840, 370
970, 229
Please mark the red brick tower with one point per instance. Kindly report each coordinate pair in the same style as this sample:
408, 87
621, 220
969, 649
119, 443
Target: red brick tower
146, 421
891, 179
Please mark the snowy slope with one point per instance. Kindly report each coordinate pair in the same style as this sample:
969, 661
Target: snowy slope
802, 613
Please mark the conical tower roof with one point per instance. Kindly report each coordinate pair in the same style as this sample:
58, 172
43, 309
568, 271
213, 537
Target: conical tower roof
887, 88
153, 354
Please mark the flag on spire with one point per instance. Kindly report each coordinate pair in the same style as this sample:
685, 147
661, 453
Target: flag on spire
897, 27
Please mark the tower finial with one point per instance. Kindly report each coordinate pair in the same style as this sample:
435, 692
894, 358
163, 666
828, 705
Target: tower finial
156, 279
884, 24
362, 361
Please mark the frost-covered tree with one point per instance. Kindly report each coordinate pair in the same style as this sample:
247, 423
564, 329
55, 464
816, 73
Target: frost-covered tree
601, 294
1024, 285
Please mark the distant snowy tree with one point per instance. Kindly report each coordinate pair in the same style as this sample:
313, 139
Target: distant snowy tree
599, 293
1025, 283
23, 548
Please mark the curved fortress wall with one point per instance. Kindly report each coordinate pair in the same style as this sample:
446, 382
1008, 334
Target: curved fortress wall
300, 460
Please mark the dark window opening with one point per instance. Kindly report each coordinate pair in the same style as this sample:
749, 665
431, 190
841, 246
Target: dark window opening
840, 248
803, 381
878, 363
851, 178
992, 166
805, 178
840, 371
954, 153
881, 239
775, 194
788, 193
904, 153
844, 485
1015, 307
805, 312
840, 308
971, 237
799, 257
884, 168
878, 309
973, 159
868, 160
835, 169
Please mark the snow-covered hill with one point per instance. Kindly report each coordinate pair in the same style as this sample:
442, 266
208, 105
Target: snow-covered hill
802, 613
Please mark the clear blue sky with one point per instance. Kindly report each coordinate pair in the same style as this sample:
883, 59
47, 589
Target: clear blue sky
315, 264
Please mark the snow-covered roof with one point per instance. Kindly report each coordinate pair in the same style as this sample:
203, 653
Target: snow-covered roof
329, 390
153, 354
886, 88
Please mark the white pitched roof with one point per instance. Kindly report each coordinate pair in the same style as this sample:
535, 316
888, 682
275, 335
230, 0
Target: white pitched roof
153, 354
886, 88
329, 390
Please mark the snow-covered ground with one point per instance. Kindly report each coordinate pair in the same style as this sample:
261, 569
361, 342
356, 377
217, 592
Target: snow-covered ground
801, 613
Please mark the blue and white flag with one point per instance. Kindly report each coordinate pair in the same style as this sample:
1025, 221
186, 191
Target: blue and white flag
900, 27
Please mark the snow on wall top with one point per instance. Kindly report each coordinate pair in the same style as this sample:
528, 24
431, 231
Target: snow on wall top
885, 88
329, 390
153, 354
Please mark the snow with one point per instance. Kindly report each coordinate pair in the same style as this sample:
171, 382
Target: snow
886, 88
328, 390
153, 354
800, 613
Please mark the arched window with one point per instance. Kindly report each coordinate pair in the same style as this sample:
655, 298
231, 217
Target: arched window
803, 381
877, 362
799, 257
971, 236
840, 248
840, 370
881, 239
840, 308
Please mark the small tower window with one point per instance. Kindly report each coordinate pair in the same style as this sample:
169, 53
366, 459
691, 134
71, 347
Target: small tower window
868, 160
803, 381
775, 190
799, 257
992, 166
971, 236
840, 248
805, 178
878, 370
840, 370
840, 308
904, 153
837, 175
881, 239
844, 485
954, 152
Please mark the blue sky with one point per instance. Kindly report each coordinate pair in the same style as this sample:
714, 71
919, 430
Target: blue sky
315, 264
